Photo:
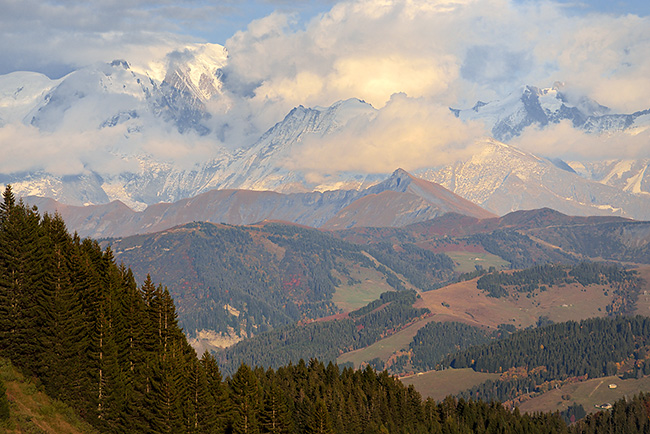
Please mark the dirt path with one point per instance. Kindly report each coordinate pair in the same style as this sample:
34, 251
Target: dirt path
595, 388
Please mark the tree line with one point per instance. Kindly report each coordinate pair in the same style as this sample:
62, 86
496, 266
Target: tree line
591, 348
538, 276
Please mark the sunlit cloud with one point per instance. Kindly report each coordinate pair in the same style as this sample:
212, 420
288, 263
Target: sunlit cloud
410, 133
409, 59
564, 141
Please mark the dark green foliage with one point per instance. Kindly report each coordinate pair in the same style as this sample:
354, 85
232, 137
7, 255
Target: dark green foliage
114, 352
274, 282
78, 322
435, 340
524, 281
319, 422
273, 275
406, 298
476, 273
246, 394
535, 278
573, 413
627, 416
422, 268
324, 340
591, 347
275, 417
519, 249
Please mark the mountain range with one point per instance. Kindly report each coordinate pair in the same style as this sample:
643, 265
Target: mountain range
397, 201
540, 107
231, 282
129, 109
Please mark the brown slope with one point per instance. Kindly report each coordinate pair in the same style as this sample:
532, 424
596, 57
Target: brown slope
400, 201
446, 199
454, 224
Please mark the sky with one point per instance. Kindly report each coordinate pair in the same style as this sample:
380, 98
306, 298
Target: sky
416, 57
57, 36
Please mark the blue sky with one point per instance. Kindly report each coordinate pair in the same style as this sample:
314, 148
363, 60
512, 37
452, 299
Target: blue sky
237, 15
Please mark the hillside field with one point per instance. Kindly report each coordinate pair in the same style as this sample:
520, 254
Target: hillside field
467, 261
588, 393
32, 411
439, 384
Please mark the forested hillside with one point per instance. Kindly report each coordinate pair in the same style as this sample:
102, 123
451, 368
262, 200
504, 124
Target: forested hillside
591, 348
248, 279
92, 337
325, 340
623, 284
523, 238
113, 350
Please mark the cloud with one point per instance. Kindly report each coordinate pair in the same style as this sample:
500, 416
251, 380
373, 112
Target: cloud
410, 133
56, 153
457, 52
410, 59
105, 151
564, 141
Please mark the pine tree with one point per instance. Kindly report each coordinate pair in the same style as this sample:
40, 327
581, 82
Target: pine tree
245, 397
320, 422
275, 417
215, 417
23, 290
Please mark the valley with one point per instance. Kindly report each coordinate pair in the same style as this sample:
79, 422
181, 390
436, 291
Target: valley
348, 217
415, 302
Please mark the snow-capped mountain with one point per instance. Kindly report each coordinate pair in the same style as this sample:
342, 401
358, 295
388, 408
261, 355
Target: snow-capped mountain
153, 131
502, 178
531, 105
106, 95
135, 105
632, 176
263, 166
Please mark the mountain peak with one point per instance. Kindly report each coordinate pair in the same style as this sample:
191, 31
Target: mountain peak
400, 173
120, 62
398, 181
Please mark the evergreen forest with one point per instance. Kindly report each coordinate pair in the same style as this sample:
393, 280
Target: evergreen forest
91, 336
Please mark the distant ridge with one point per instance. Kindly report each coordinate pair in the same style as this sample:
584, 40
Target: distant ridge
397, 201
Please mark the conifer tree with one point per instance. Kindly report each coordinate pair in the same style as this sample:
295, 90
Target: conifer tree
320, 422
275, 418
245, 396
217, 416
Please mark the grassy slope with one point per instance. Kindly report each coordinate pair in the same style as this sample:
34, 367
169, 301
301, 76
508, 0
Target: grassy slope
349, 297
439, 384
471, 306
589, 393
385, 347
32, 411
467, 261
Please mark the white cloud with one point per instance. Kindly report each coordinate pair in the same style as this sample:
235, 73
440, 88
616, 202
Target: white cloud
410, 133
104, 151
56, 153
453, 51
562, 140
438, 53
